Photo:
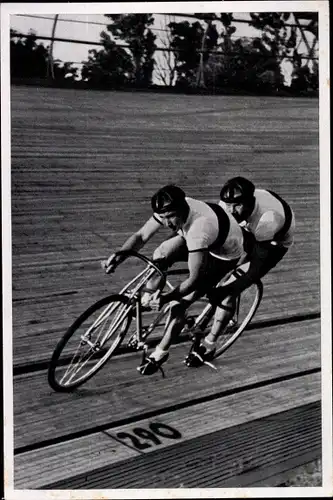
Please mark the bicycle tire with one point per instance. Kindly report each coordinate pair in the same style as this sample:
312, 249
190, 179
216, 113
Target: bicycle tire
231, 334
100, 306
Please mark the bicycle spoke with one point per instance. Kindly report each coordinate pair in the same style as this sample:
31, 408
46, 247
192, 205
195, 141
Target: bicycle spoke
92, 341
76, 365
114, 327
101, 318
73, 371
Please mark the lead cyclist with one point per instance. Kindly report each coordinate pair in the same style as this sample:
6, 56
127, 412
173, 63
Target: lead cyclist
212, 243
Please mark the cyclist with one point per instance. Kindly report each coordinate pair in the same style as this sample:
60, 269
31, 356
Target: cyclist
205, 236
269, 219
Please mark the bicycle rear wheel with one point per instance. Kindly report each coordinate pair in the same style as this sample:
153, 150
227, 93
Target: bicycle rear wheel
89, 343
248, 303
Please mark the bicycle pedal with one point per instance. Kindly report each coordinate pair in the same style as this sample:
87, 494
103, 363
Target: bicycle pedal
232, 329
193, 360
210, 365
132, 344
233, 324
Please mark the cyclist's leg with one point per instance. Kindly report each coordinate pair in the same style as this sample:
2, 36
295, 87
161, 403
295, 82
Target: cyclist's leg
216, 269
174, 324
264, 257
168, 252
222, 317
225, 312
276, 253
173, 327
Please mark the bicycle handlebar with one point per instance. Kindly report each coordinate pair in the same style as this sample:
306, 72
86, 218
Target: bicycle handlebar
132, 253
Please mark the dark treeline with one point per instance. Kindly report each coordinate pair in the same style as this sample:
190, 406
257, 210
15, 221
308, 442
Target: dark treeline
200, 55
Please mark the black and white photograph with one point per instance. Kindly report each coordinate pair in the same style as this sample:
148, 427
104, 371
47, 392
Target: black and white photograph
166, 250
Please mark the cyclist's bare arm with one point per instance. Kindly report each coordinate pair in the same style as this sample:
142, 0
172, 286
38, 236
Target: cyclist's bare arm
135, 242
140, 238
196, 264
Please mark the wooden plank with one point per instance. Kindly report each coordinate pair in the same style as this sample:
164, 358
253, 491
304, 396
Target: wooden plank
219, 459
36, 469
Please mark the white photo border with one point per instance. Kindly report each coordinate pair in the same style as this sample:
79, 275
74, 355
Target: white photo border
322, 7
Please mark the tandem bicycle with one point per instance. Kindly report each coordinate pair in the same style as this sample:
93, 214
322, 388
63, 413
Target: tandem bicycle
97, 334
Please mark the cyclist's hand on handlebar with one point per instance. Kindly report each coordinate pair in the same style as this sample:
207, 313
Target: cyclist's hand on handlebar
110, 264
158, 300
155, 301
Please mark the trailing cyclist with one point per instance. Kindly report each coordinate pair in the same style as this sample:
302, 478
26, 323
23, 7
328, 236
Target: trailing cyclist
268, 218
210, 240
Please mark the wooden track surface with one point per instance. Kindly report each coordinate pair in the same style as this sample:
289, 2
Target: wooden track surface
84, 166
117, 391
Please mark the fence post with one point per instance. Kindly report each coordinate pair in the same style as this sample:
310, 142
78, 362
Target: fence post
50, 65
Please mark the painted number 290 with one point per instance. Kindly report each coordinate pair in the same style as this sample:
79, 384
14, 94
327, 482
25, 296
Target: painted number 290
142, 438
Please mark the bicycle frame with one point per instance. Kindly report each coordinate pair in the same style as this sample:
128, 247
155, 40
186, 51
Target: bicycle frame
141, 334
141, 279
134, 296
200, 322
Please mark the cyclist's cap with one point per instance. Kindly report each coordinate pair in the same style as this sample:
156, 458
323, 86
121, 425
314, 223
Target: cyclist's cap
237, 190
168, 199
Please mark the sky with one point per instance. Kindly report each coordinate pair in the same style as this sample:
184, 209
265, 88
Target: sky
90, 32
88, 27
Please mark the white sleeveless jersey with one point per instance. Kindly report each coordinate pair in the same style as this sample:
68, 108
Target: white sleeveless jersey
201, 230
267, 219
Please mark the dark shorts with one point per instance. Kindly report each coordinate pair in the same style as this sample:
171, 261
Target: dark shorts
175, 250
273, 257
215, 271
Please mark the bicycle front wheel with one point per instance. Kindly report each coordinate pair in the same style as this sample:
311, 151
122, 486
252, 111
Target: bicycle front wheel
89, 343
247, 305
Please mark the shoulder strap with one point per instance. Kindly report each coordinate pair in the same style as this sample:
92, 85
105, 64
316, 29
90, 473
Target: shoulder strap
287, 215
224, 225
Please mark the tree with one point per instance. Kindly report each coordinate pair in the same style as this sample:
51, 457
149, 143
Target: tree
303, 80
277, 40
224, 45
208, 42
30, 60
280, 41
239, 67
165, 66
134, 30
227, 30
110, 67
304, 77
187, 44
27, 58
64, 71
